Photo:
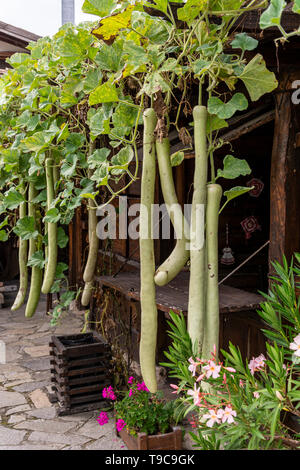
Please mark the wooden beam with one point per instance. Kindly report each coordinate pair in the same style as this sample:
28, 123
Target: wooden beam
285, 177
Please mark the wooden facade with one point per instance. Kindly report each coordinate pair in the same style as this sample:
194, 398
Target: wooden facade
267, 136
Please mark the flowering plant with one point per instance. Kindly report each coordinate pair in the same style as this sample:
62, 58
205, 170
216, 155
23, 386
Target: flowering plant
138, 410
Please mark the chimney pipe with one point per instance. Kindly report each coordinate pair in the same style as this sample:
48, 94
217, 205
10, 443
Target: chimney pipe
67, 11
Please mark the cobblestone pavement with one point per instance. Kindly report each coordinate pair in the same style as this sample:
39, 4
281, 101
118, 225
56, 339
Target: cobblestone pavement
28, 420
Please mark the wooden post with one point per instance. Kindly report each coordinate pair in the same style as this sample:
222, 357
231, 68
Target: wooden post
285, 176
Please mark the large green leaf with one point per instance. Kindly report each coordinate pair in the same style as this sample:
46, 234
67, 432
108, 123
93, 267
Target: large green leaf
244, 42
98, 7
98, 123
25, 228
257, 78
109, 27
52, 216
296, 6
272, 15
37, 260
98, 157
68, 167
190, 10
236, 192
13, 199
233, 168
105, 93
226, 110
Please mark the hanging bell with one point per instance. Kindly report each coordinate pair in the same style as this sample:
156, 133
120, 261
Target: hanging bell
227, 256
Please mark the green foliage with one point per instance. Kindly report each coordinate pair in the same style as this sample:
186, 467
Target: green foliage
144, 412
237, 404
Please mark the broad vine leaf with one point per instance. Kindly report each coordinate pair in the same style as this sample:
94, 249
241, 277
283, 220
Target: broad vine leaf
37, 260
177, 158
68, 167
272, 15
52, 216
13, 199
92, 80
98, 7
98, 157
109, 27
214, 123
105, 93
3, 236
73, 142
191, 10
62, 238
233, 168
98, 123
161, 5
25, 228
123, 157
236, 192
226, 110
244, 42
257, 78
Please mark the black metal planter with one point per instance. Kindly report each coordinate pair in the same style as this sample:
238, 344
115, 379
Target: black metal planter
79, 371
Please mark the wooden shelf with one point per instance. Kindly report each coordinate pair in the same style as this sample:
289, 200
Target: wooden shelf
175, 295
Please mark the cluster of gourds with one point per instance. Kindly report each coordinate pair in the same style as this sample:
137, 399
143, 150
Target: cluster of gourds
81, 93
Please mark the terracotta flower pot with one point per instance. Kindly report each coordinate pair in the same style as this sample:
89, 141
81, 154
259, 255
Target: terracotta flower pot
169, 441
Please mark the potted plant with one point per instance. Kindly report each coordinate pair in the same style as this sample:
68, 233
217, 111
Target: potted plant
244, 404
143, 420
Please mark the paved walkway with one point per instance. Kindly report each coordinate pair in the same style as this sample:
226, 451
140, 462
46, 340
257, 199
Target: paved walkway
28, 420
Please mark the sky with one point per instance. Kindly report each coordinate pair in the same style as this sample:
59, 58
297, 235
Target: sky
42, 17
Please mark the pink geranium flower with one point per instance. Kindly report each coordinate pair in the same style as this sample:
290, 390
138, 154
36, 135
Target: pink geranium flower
142, 387
102, 418
109, 393
295, 346
212, 370
213, 417
120, 424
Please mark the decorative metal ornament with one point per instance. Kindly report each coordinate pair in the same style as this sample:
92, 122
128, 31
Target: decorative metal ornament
227, 257
250, 225
258, 187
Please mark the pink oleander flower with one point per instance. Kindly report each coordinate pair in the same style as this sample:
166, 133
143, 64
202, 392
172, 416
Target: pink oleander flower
230, 369
131, 380
228, 415
257, 363
196, 395
242, 383
295, 346
193, 366
109, 393
102, 418
212, 370
213, 417
120, 424
142, 387
175, 387
256, 394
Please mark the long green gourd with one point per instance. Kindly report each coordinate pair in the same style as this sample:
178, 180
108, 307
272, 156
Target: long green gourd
49, 275
147, 260
89, 271
23, 254
36, 272
211, 332
196, 302
180, 255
